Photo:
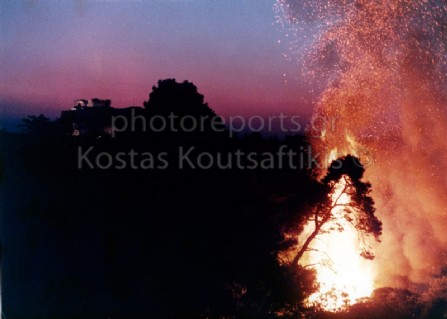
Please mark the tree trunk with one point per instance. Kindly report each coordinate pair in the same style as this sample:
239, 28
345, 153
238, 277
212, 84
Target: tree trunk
318, 226
311, 237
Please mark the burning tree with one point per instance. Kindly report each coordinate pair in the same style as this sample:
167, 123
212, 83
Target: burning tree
334, 240
343, 181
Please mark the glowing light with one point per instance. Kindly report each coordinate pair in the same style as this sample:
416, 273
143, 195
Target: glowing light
343, 275
381, 68
332, 155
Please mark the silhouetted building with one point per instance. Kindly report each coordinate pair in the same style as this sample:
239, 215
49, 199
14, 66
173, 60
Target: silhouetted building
94, 117
83, 103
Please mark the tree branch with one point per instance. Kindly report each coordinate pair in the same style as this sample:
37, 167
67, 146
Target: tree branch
319, 225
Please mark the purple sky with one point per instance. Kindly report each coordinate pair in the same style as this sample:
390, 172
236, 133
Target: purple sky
53, 52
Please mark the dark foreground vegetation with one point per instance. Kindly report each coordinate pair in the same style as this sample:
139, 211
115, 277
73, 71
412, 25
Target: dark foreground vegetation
140, 241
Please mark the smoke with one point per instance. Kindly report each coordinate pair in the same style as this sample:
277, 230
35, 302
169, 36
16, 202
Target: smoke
382, 67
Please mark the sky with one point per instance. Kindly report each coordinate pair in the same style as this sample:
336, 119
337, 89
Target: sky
53, 52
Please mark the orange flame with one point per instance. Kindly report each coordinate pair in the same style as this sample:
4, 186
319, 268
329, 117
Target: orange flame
343, 275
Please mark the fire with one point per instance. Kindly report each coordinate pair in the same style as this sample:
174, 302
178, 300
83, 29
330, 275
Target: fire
343, 275
344, 272
382, 70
